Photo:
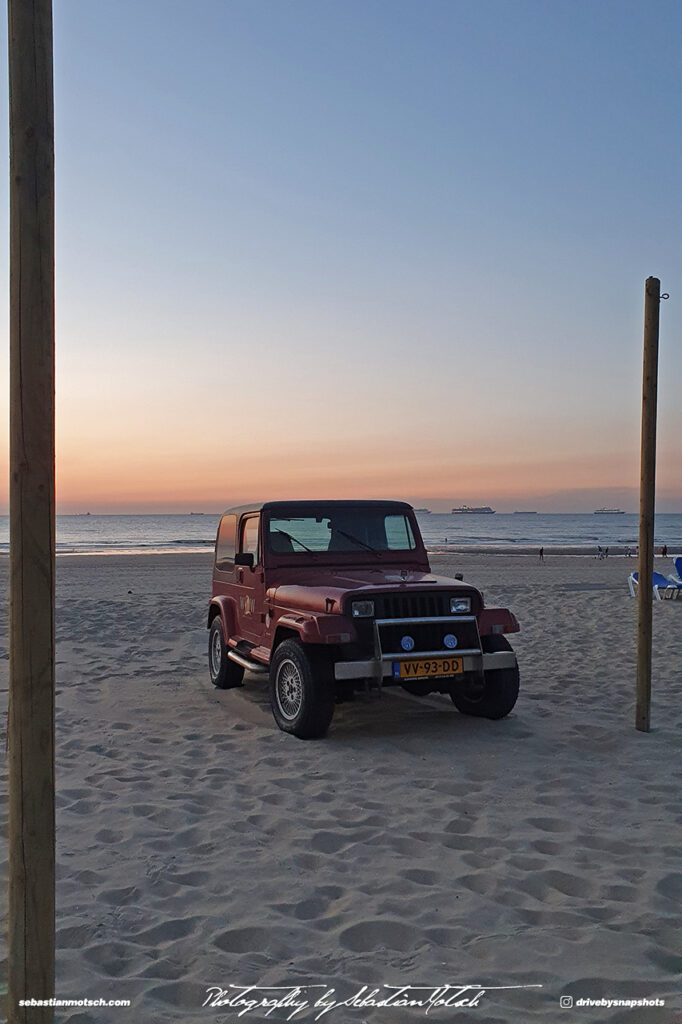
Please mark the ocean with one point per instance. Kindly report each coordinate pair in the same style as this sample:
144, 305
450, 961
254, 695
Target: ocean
102, 534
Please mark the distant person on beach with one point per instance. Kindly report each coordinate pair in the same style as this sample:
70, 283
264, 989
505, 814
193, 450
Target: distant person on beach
600, 553
664, 551
606, 552
542, 554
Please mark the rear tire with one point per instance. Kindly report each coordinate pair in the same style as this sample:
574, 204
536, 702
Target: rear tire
301, 690
225, 673
500, 690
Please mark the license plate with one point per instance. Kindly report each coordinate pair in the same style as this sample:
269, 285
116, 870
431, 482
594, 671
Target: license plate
427, 668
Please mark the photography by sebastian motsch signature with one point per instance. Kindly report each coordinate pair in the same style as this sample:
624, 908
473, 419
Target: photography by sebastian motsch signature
321, 999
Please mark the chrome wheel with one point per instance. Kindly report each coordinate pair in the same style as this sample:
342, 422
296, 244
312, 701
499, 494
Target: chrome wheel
289, 690
216, 653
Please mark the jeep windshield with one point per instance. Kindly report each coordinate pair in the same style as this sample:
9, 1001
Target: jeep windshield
364, 531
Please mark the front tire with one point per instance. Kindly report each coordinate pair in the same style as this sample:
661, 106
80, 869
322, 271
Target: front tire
500, 689
301, 690
225, 673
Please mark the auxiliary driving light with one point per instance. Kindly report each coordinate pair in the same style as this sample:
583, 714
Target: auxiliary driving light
362, 609
458, 605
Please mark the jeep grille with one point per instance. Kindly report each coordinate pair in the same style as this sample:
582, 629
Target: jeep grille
418, 605
415, 606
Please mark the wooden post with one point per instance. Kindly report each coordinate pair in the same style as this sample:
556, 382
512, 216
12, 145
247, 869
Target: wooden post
32, 513
647, 498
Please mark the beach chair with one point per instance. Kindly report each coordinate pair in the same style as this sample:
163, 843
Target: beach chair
676, 577
664, 589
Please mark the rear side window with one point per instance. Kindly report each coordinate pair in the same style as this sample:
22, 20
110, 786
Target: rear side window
225, 543
249, 543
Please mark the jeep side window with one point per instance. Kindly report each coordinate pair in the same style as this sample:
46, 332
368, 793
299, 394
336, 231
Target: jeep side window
225, 544
249, 542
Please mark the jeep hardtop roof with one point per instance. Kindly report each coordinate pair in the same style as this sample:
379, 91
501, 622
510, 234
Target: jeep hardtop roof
310, 506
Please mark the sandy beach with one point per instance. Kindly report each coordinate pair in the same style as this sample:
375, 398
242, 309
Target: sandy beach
199, 846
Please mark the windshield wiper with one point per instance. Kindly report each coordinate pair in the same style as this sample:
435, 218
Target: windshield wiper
295, 540
356, 540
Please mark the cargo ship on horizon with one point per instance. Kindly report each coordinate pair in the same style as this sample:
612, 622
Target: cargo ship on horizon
478, 510
608, 512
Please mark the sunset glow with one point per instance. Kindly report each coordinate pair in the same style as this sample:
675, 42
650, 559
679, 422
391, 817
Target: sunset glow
358, 255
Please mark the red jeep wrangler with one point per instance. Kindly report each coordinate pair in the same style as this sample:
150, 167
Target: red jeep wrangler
331, 597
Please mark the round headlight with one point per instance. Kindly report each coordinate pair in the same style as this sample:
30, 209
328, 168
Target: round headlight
460, 605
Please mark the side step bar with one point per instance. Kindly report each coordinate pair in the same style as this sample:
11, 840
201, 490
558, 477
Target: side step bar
252, 666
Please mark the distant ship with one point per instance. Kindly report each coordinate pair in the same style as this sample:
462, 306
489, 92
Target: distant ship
529, 512
608, 512
424, 511
479, 510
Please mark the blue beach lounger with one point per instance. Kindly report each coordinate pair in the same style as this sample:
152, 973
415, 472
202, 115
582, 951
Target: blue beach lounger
676, 577
663, 588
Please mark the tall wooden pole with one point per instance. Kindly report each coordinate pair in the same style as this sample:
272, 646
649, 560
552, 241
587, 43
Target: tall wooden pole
32, 513
647, 496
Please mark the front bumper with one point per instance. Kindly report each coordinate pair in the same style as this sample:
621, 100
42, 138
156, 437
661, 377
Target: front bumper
473, 661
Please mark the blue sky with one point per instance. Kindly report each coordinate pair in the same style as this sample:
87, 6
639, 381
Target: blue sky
374, 248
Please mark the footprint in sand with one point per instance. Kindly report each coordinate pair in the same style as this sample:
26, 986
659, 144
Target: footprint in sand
420, 876
75, 937
371, 935
243, 940
107, 835
666, 960
548, 848
549, 824
183, 994
671, 887
168, 931
524, 863
451, 938
460, 825
112, 958
328, 842
604, 845
310, 910
479, 883
166, 970
194, 879
119, 897
620, 893
568, 884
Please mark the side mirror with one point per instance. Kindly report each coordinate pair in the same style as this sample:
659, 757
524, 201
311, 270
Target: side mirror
244, 558
459, 575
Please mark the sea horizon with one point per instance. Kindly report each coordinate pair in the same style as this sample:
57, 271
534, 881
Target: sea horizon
572, 532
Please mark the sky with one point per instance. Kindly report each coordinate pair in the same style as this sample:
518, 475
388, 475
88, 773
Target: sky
361, 248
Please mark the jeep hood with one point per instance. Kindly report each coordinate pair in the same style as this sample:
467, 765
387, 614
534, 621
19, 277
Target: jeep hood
325, 590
